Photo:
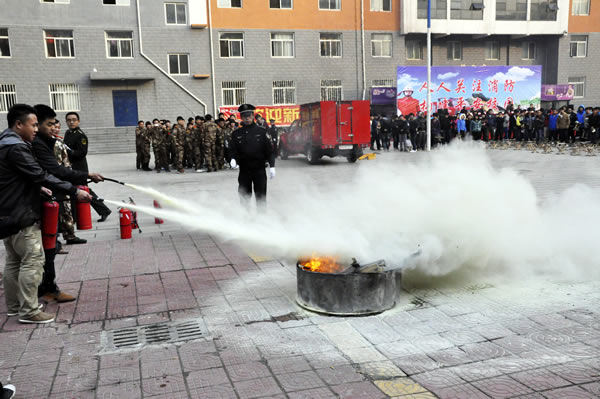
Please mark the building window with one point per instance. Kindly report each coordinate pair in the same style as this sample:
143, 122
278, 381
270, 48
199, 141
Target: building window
59, 43
581, 7
331, 90
282, 45
175, 14
414, 50
466, 9
64, 97
528, 51
330, 4
179, 64
381, 5
4, 43
119, 44
231, 45
331, 45
492, 50
578, 86
381, 44
280, 4
284, 92
455, 51
383, 83
439, 9
8, 97
115, 2
579, 46
234, 92
57, 1
543, 10
229, 3
511, 10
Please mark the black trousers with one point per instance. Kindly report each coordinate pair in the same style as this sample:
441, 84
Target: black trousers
98, 205
253, 179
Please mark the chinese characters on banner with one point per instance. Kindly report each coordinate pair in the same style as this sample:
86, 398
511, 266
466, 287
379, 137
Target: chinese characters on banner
457, 87
284, 115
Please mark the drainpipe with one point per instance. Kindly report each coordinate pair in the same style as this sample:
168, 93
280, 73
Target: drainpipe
212, 59
362, 39
182, 87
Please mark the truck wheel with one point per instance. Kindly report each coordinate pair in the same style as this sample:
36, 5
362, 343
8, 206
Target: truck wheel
312, 156
352, 157
283, 153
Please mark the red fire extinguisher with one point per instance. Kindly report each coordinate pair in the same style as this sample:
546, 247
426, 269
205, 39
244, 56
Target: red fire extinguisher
84, 212
125, 219
158, 220
49, 224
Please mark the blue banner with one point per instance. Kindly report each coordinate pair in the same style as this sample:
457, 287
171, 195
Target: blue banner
470, 87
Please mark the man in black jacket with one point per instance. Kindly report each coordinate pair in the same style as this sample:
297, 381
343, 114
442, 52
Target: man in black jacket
43, 150
77, 141
251, 148
21, 180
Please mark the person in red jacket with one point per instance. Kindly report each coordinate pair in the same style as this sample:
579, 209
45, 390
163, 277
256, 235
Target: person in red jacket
407, 104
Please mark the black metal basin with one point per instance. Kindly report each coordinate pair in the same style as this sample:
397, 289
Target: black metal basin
350, 294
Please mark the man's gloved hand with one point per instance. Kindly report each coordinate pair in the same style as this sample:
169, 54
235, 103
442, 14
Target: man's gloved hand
83, 196
233, 164
96, 177
271, 173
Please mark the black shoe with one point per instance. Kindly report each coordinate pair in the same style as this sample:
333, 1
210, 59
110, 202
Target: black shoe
77, 240
104, 217
8, 391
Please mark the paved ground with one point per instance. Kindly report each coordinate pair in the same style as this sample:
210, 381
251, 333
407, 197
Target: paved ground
478, 341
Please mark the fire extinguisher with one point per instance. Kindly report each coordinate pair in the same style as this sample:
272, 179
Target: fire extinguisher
84, 212
158, 220
49, 226
125, 219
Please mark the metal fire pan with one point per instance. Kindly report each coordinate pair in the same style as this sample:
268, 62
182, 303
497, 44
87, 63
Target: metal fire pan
350, 294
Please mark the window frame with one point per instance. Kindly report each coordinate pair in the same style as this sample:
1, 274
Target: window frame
339, 2
576, 83
291, 7
578, 42
242, 47
421, 52
375, 83
64, 93
330, 87
330, 41
382, 6
293, 41
229, 6
71, 44
487, 56
179, 55
527, 44
579, 13
452, 43
175, 4
284, 90
106, 39
391, 44
4, 93
7, 37
235, 92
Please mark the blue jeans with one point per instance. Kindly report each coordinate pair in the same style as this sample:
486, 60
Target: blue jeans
539, 136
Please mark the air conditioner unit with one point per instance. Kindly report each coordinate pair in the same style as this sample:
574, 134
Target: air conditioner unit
477, 6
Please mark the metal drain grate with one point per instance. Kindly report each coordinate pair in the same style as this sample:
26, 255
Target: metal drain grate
152, 334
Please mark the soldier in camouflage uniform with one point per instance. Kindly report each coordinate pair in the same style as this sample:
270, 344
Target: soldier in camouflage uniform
139, 144
66, 222
159, 147
178, 137
209, 144
189, 147
197, 136
220, 143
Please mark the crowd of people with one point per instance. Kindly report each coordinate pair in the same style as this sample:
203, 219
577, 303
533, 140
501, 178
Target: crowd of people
201, 144
565, 125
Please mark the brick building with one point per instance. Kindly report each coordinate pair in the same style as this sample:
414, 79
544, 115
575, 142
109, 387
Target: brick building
115, 61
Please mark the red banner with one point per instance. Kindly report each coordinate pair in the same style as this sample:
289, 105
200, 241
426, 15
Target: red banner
284, 115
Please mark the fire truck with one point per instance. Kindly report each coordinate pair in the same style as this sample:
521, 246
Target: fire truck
328, 128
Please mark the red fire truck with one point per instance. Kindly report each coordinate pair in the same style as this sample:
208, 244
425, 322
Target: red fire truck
328, 128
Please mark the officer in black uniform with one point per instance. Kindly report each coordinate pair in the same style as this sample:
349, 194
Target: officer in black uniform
77, 142
250, 148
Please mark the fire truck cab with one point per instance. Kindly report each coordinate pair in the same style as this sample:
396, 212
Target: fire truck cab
328, 128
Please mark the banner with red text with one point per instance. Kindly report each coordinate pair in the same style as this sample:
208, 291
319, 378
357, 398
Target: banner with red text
284, 115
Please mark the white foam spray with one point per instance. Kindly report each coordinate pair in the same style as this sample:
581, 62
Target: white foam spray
462, 214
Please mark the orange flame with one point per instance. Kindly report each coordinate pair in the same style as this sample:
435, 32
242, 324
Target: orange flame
322, 264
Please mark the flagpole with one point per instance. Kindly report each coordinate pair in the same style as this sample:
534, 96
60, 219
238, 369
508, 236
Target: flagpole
428, 75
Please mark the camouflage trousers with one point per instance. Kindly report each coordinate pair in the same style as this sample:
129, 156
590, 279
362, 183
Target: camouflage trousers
66, 222
160, 156
188, 157
220, 155
198, 156
209, 150
179, 156
138, 156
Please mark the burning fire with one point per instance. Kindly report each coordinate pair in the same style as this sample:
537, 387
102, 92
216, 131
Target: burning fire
322, 264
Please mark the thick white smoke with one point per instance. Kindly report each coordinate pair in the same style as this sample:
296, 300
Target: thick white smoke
462, 214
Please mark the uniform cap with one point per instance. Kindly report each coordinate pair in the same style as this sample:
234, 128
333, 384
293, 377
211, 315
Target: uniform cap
246, 108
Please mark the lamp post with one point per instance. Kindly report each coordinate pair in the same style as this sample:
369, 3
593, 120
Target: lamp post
428, 75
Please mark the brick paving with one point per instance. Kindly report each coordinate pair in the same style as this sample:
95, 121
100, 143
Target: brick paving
500, 341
